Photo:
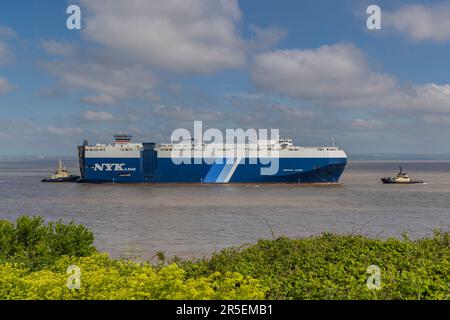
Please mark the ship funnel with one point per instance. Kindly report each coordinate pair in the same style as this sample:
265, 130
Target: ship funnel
122, 138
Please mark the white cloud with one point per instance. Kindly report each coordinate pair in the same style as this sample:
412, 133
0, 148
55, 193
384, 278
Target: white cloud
99, 99
5, 54
326, 73
64, 131
294, 114
7, 32
108, 83
259, 112
265, 38
185, 113
5, 86
58, 48
366, 124
439, 120
179, 35
420, 22
340, 76
99, 116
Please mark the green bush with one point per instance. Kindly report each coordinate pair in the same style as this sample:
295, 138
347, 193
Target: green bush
32, 244
334, 267
34, 258
104, 278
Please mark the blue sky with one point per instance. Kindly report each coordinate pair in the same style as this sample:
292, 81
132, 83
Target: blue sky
310, 68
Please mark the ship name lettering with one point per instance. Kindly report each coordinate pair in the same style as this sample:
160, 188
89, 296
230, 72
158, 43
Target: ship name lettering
111, 167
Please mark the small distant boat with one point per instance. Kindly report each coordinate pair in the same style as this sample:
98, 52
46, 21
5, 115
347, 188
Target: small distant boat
401, 178
61, 174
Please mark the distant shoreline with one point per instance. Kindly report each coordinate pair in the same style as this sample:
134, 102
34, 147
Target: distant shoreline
399, 160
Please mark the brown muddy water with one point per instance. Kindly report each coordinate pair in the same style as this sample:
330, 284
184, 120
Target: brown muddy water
196, 220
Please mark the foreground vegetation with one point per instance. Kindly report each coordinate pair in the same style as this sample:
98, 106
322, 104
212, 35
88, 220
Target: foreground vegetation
34, 262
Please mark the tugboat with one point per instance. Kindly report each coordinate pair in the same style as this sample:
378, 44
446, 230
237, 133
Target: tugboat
61, 174
401, 178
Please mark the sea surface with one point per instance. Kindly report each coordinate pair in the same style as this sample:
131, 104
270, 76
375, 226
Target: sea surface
189, 221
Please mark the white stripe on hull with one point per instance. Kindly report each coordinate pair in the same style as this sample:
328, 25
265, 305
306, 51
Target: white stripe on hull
233, 169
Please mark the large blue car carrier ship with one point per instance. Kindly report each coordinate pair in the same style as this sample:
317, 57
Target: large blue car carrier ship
128, 162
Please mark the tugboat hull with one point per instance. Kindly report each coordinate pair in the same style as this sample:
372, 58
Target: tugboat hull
401, 178
391, 181
65, 179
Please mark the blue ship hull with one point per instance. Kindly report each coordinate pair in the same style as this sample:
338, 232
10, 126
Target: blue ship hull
162, 170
